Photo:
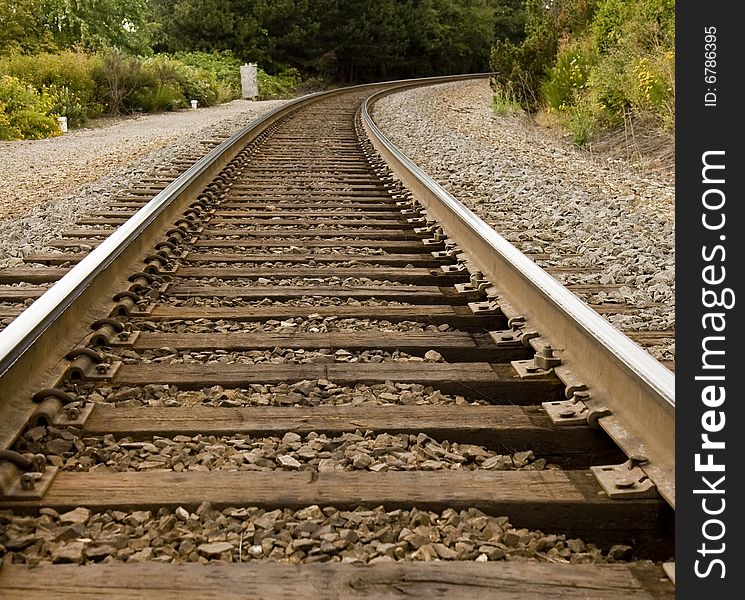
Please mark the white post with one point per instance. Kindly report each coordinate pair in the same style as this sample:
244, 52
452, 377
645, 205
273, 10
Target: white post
249, 81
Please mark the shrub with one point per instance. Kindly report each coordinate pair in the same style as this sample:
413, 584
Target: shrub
650, 88
595, 61
582, 122
640, 26
24, 112
199, 84
504, 102
521, 69
567, 79
280, 86
185, 77
635, 71
607, 26
67, 78
225, 67
505, 65
119, 78
157, 98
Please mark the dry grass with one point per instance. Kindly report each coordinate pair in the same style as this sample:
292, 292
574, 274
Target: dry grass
640, 143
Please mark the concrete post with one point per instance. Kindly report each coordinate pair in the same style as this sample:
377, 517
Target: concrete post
249, 81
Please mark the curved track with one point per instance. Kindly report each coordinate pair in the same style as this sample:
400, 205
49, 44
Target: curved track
297, 352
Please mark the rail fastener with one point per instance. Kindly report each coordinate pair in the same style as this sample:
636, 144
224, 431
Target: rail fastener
626, 481
59, 409
24, 476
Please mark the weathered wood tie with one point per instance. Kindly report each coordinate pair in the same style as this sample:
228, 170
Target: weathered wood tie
496, 382
437, 580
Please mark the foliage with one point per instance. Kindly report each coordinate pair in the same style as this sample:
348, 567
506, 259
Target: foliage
567, 79
594, 61
32, 26
509, 20
224, 66
636, 70
24, 27
282, 85
340, 40
505, 103
519, 69
24, 112
198, 24
101, 24
163, 82
67, 78
119, 77
80, 85
582, 122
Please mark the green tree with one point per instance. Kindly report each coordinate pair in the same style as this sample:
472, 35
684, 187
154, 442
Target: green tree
206, 25
31, 26
99, 24
24, 27
201, 25
509, 20
463, 36
340, 40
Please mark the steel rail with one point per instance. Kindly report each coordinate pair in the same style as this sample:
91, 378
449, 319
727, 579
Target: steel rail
638, 389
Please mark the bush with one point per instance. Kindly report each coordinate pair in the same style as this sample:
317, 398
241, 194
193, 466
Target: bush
635, 71
225, 67
653, 84
119, 77
158, 98
582, 122
176, 80
567, 79
504, 102
281, 86
505, 65
200, 85
67, 78
547, 25
594, 61
37, 89
24, 112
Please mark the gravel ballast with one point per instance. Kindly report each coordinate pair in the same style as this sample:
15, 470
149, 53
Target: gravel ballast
311, 534
320, 453
316, 392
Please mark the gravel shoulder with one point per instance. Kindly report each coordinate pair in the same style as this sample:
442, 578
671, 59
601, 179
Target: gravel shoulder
605, 213
48, 184
34, 171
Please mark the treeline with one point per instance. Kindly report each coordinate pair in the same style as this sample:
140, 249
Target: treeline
594, 64
82, 58
337, 40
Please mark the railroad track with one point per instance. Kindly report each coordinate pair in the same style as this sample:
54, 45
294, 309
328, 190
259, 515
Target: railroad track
302, 355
